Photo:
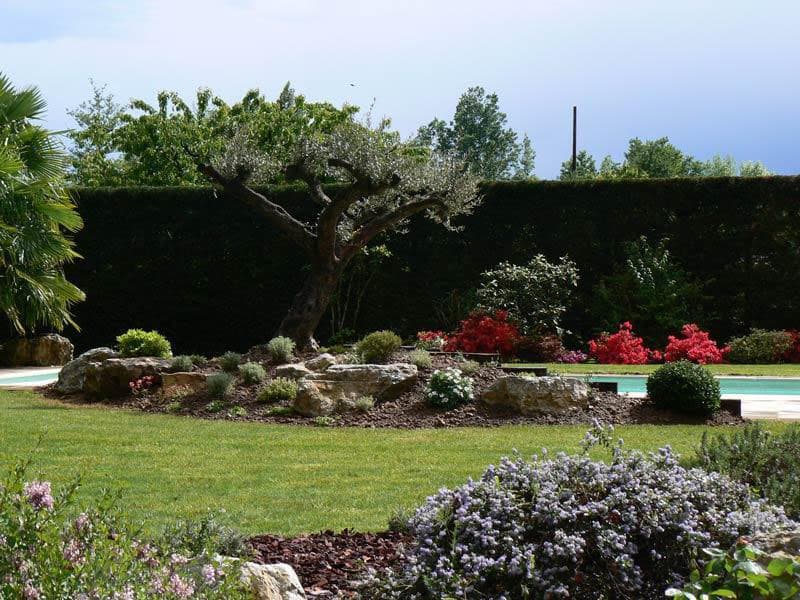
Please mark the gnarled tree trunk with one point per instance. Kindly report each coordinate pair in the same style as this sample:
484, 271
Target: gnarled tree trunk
309, 306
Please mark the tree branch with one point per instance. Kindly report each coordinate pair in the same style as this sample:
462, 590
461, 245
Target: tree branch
299, 172
369, 230
295, 230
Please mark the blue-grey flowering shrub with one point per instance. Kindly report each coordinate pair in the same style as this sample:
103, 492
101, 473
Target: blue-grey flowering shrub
51, 550
449, 388
573, 527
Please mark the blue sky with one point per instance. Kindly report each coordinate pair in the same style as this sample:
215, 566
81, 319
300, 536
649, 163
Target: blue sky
715, 76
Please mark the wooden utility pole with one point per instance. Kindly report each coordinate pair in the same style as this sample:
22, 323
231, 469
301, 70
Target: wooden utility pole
574, 140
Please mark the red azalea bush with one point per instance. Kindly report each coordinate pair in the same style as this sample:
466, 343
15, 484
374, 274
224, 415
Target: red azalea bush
431, 340
623, 348
484, 332
695, 345
793, 354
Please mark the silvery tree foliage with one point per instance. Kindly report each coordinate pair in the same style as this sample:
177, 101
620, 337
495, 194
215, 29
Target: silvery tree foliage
573, 527
386, 183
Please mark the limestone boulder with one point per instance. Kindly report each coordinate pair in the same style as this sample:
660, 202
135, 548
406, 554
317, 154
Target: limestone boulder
536, 395
70, 379
293, 371
111, 378
339, 386
786, 541
42, 351
182, 382
321, 362
272, 582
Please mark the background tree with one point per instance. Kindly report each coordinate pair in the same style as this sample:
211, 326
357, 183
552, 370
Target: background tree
386, 183
585, 167
727, 166
479, 135
136, 144
659, 158
35, 213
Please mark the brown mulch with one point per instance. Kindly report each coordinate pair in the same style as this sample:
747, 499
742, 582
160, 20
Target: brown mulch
332, 564
411, 412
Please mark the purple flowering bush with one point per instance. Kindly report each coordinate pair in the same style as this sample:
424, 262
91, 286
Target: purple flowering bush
572, 357
573, 527
49, 550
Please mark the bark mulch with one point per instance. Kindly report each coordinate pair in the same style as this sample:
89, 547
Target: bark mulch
332, 564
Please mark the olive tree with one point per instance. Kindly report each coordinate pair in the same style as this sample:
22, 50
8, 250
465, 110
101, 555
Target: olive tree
385, 183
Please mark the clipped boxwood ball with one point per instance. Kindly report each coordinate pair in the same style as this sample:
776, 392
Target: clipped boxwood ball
685, 387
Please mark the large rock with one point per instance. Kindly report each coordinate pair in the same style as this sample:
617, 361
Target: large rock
293, 371
110, 378
787, 541
321, 362
339, 386
42, 351
536, 395
70, 379
272, 582
182, 382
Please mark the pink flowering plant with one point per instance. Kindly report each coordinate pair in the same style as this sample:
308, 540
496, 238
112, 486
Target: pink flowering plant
50, 549
143, 385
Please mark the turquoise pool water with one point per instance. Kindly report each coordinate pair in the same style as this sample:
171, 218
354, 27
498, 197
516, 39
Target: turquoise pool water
763, 386
28, 379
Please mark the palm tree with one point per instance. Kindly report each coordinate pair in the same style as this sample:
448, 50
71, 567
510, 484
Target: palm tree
35, 215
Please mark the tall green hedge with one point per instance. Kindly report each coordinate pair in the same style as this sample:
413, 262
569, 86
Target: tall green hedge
209, 275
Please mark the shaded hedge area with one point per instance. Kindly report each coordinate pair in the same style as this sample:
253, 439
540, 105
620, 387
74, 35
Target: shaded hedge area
211, 276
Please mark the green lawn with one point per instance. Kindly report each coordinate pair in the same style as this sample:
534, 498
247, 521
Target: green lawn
788, 370
282, 479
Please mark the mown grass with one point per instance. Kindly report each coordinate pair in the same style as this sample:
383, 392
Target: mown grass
782, 370
268, 478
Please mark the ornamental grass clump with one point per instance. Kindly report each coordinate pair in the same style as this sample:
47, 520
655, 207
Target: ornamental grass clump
181, 364
685, 387
420, 358
230, 361
137, 342
50, 549
219, 385
574, 527
281, 349
449, 388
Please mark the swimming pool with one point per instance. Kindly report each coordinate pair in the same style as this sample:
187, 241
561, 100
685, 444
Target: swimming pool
34, 378
730, 386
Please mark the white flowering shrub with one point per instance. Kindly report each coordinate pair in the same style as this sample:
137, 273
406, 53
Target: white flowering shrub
573, 527
48, 550
449, 388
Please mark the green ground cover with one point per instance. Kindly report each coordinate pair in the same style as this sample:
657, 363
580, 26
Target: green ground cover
780, 370
269, 478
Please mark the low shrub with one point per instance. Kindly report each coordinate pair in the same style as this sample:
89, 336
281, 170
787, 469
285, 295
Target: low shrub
219, 385
483, 332
378, 347
281, 349
181, 364
337, 349
342, 337
768, 462
175, 406
137, 342
573, 527
572, 357
193, 537
230, 361
237, 411
622, 348
364, 404
792, 355
280, 411
744, 572
431, 340
694, 345
448, 388
322, 421
252, 373
278, 389
469, 367
51, 549
544, 348
421, 358
198, 360
215, 406
760, 347
685, 387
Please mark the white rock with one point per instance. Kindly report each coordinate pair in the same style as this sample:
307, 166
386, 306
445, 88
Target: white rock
273, 582
321, 362
293, 371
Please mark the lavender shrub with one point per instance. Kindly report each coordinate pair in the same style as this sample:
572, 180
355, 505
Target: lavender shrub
573, 527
